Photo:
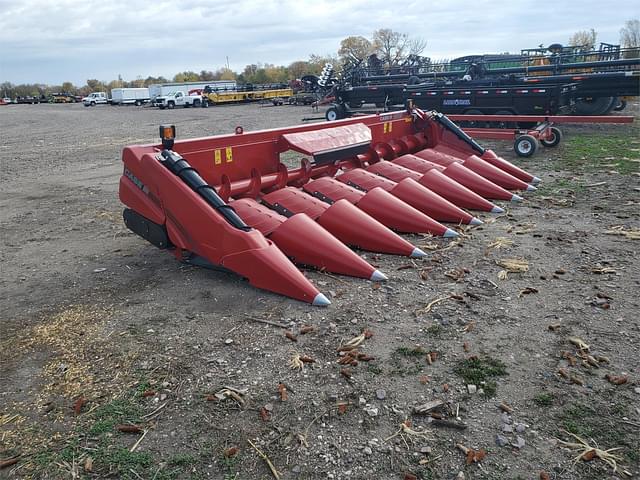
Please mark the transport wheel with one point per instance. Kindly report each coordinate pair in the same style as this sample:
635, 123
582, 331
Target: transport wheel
594, 106
93, 104
525, 146
620, 105
334, 113
171, 105
291, 100
138, 103
196, 103
205, 104
556, 138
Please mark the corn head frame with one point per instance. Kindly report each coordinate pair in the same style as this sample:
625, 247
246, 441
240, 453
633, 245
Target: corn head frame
229, 202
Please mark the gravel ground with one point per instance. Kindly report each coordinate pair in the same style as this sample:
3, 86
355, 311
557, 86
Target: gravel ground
99, 328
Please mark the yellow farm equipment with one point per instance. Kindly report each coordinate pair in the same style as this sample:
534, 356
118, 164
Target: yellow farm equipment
277, 96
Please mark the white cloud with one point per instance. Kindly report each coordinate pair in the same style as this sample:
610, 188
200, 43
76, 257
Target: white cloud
50, 42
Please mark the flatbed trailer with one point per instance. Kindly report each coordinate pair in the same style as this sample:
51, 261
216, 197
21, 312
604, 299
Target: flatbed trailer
220, 97
520, 99
472, 99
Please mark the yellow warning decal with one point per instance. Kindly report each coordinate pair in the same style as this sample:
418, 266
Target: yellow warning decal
217, 156
408, 119
387, 127
229, 154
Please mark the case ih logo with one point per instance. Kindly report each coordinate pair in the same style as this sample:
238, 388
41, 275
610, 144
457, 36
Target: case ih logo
457, 101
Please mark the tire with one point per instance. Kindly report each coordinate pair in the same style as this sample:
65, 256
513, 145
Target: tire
138, 103
620, 105
171, 105
525, 146
503, 123
555, 140
196, 102
475, 123
93, 104
594, 106
291, 100
334, 113
331, 115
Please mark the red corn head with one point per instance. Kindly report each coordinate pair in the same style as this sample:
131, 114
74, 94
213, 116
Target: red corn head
195, 227
444, 209
346, 222
470, 179
491, 157
481, 167
408, 191
495, 174
304, 241
436, 181
379, 204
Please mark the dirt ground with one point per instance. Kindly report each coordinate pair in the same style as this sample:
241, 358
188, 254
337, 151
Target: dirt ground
100, 329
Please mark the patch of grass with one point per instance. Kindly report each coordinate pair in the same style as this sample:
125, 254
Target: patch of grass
181, 459
556, 186
490, 388
593, 151
400, 357
477, 370
435, 330
633, 455
230, 467
108, 416
575, 419
544, 399
411, 352
142, 387
121, 460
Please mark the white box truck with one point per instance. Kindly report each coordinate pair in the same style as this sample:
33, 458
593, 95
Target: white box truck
162, 89
130, 96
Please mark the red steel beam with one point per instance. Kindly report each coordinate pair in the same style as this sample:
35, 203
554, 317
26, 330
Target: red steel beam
545, 118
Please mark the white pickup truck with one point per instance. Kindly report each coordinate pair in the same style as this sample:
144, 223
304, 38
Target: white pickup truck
178, 99
95, 98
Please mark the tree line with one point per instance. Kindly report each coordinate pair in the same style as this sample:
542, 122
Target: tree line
391, 48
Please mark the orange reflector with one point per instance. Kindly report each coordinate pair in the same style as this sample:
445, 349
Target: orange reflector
167, 133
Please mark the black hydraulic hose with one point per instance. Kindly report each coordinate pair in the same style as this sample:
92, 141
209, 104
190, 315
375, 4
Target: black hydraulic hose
189, 175
457, 131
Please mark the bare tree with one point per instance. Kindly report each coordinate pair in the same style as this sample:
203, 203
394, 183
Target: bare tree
417, 46
394, 47
354, 47
630, 34
584, 38
390, 46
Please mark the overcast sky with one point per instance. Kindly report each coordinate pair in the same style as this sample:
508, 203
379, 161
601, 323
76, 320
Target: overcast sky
52, 41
